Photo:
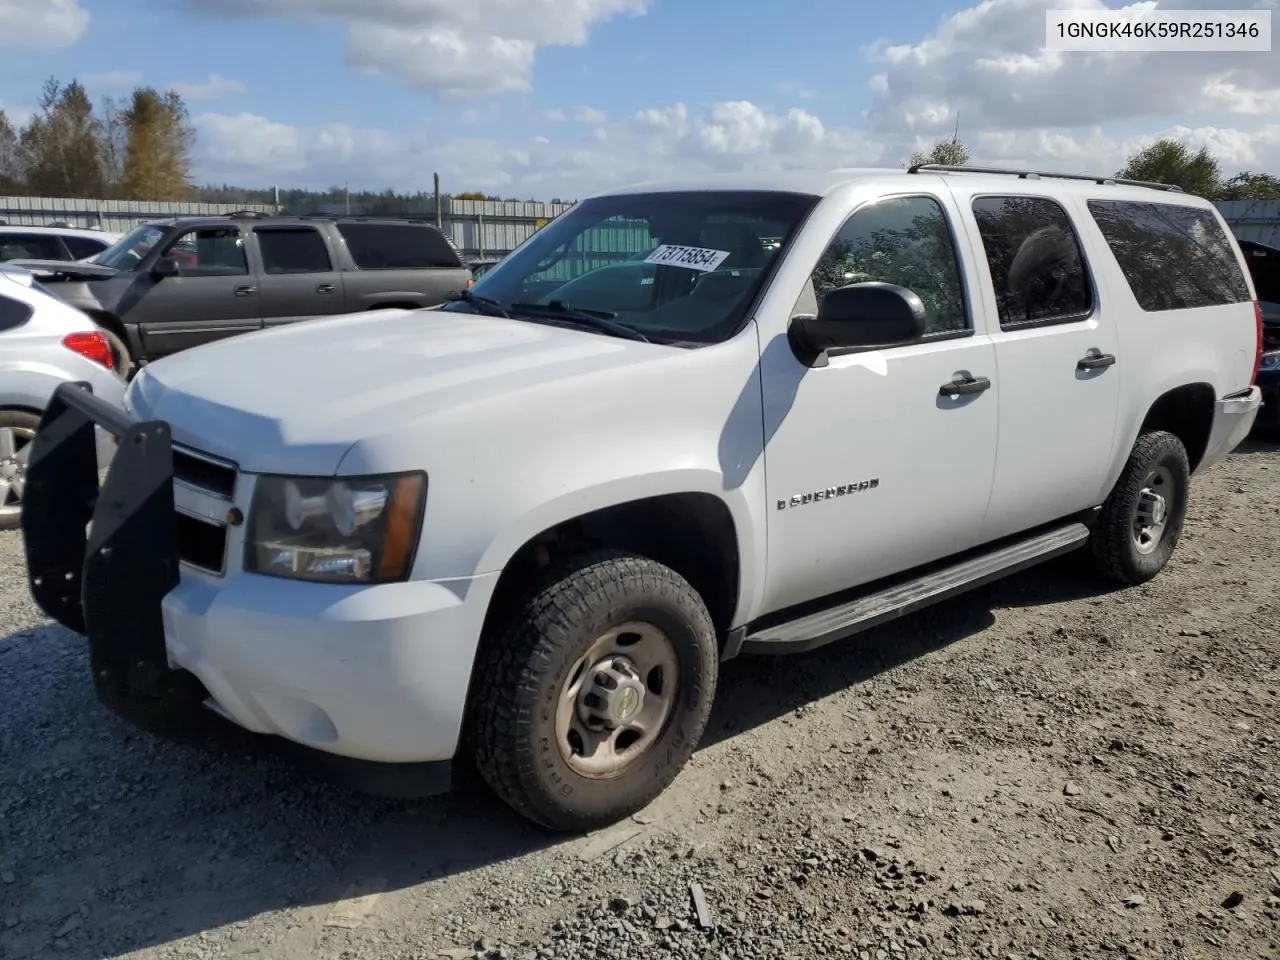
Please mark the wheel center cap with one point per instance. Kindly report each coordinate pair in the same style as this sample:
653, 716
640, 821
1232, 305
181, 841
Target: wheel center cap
627, 703
1153, 508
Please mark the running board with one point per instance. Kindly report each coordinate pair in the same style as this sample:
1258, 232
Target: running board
870, 610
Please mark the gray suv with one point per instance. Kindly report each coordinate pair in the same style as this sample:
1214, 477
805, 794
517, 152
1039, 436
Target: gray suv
170, 285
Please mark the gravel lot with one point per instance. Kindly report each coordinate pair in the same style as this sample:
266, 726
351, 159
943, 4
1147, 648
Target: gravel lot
1040, 769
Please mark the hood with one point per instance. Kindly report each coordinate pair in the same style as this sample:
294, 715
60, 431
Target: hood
80, 269
297, 397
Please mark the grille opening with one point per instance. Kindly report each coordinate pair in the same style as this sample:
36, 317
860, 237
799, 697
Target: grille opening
197, 472
201, 544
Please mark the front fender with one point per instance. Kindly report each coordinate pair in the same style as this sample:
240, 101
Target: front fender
742, 508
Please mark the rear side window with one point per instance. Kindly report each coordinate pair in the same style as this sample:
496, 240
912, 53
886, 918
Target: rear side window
1173, 257
13, 313
293, 251
82, 247
394, 246
31, 246
1037, 267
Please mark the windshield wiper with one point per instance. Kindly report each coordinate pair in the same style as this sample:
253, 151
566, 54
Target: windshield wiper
485, 305
601, 320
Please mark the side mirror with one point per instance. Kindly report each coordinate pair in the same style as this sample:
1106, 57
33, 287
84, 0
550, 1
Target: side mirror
166, 267
860, 315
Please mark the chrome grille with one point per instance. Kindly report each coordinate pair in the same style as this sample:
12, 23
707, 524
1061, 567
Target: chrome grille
203, 486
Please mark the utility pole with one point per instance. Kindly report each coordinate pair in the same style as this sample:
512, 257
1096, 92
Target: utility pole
439, 212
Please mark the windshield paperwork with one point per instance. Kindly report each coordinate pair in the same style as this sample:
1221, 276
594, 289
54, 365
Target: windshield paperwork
663, 267
127, 252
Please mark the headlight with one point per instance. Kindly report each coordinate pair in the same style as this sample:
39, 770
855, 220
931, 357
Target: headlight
337, 530
1270, 360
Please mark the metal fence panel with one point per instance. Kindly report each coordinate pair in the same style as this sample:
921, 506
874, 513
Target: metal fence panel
1256, 220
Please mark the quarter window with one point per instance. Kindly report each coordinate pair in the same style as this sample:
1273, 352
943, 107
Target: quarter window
293, 251
82, 247
1173, 257
211, 252
398, 246
904, 241
1037, 268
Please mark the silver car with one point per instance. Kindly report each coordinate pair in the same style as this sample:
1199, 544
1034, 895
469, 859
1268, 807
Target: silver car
43, 342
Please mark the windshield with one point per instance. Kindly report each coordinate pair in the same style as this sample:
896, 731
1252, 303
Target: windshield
671, 266
127, 252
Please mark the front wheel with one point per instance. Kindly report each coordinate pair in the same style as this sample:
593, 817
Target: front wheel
594, 696
1141, 521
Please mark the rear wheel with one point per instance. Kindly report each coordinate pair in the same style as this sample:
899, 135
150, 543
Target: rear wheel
591, 700
17, 430
1141, 521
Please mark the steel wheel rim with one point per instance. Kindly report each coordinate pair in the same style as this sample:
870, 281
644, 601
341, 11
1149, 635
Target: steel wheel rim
628, 677
1151, 512
15, 448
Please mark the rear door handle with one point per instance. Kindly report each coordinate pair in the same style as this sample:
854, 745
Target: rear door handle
326, 288
246, 291
965, 388
1095, 361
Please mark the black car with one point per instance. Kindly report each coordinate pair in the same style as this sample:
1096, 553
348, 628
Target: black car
170, 285
1264, 265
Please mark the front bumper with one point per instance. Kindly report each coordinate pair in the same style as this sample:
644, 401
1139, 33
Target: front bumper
370, 680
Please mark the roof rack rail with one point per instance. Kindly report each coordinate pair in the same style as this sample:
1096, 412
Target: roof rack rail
1038, 174
248, 215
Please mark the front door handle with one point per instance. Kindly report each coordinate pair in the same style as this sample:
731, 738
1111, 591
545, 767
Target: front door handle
246, 291
965, 388
1095, 361
326, 288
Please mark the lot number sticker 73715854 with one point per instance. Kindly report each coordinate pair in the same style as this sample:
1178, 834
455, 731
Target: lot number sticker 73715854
691, 258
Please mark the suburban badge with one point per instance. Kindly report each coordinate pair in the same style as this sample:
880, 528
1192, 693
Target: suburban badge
804, 499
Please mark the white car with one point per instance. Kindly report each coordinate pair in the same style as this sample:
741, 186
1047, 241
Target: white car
52, 243
43, 343
524, 530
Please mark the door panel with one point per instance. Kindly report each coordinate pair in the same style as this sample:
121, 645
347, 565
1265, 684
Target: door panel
871, 470
214, 295
1057, 358
298, 279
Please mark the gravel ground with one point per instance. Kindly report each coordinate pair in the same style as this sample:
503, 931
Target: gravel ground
1040, 769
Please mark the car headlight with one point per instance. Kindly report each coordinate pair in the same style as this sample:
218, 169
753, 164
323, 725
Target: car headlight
1270, 360
336, 530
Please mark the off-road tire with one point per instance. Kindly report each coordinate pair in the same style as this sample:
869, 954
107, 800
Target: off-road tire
1114, 552
523, 665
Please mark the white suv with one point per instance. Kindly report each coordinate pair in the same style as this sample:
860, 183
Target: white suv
526, 531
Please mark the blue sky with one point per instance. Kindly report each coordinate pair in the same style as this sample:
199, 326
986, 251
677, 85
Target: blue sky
542, 97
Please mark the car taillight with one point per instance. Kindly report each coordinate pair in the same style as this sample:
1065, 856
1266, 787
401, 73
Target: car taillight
1257, 359
92, 346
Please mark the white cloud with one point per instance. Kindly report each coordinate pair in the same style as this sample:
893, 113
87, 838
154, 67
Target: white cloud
215, 87
111, 82
471, 49
988, 62
42, 24
658, 142
1018, 105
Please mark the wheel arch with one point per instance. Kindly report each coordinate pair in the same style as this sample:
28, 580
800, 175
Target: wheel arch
1186, 411
693, 532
